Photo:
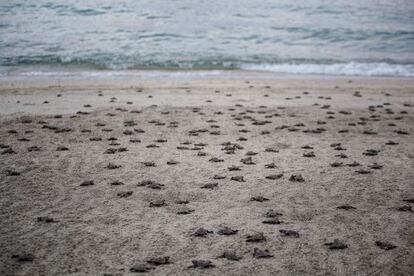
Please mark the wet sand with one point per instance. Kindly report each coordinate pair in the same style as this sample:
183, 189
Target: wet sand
207, 176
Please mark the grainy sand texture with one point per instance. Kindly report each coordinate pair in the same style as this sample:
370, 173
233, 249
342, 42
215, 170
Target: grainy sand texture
311, 176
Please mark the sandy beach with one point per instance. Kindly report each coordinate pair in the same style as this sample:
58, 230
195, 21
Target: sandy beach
207, 176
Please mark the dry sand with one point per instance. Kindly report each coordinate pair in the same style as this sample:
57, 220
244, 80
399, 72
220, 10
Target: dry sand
50, 225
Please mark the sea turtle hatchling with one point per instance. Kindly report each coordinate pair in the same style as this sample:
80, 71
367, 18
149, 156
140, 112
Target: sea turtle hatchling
261, 253
203, 264
227, 231
230, 255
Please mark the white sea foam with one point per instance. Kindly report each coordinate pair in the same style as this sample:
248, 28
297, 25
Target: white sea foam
347, 69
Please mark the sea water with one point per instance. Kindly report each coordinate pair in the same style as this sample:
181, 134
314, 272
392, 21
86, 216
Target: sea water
336, 37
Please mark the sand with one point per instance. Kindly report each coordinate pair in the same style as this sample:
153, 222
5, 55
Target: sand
170, 138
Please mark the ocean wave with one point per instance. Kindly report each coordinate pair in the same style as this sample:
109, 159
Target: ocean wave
347, 69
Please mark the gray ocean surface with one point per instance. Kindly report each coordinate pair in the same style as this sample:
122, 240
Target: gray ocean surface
336, 37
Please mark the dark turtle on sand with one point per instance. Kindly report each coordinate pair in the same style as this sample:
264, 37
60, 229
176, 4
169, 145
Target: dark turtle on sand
216, 160
248, 161
391, 143
227, 231
45, 219
185, 211
405, 208
141, 268
11, 173
336, 245
238, 178
201, 232
234, 168
346, 207
209, 186
257, 237
385, 245
274, 176
309, 154
272, 214
251, 153
371, 152
296, 178
24, 257
274, 220
157, 203
125, 194
289, 233
271, 150
271, 166
87, 183
217, 177
33, 148
112, 166
342, 155
409, 200
62, 148
258, 198
354, 164
230, 255
336, 164
149, 164
172, 162
376, 166
203, 264
261, 253
155, 186
362, 171
162, 260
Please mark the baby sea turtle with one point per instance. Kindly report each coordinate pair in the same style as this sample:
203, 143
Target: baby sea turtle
216, 160
149, 164
203, 264
376, 166
201, 232
238, 178
354, 164
234, 168
155, 186
157, 203
46, 219
257, 237
217, 177
385, 245
336, 245
112, 166
362, 171
346, 207
11, 173
248, 161
172, 162
309, 154
261, 253
162, 260
336, 164
274, 176
258, 198
185, 211
87, 183
125, 194
62, 148
296, 178
289, 233
271, 166
274, 220
405, 208
271, 150
230, 255
24, 257
272, 214
227, 231
209, 186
